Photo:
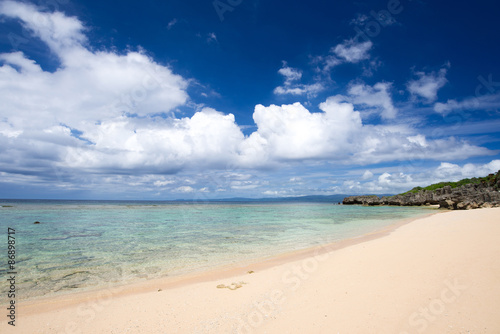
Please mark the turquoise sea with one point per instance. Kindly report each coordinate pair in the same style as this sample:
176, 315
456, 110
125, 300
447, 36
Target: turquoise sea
81, 245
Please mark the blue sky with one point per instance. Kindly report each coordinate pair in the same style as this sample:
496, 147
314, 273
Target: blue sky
217, 99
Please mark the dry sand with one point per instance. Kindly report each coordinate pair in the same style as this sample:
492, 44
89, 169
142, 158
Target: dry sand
439, 274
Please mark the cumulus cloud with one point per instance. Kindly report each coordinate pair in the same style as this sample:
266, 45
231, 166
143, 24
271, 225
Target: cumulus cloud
209, 139
367, 175
107, 84
54, 115
377, 97
293, 133
428, 84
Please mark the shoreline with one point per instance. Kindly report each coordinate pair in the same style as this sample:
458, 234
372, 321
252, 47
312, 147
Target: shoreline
433, 274
52, 303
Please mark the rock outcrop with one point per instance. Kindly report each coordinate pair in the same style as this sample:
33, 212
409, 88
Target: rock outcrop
469, 196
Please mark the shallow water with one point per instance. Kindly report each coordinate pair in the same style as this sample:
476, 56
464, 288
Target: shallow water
90, 244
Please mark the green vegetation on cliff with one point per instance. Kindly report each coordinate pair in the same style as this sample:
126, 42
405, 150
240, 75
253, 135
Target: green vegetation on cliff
490, 179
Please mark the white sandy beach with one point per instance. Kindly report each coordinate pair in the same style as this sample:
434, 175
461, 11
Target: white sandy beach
439, 274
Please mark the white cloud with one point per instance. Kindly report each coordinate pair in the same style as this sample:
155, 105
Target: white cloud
172, 23
211, 38
276, 193
290, 74
454, 172
329, 62
384, 179
428, 84
367, 175
349, 51
208, 139
60, 32
184, 189
398, 182
239, 176
88, 95
352, 52
291, 132
9, 131
377, 96
292, 85
163, 183
420, 140
88, 86
244, 185
485, 102
310, 90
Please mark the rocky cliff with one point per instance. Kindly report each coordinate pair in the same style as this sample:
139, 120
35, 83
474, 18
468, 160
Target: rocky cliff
479, 193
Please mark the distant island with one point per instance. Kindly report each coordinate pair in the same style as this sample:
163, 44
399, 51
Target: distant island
465, 194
